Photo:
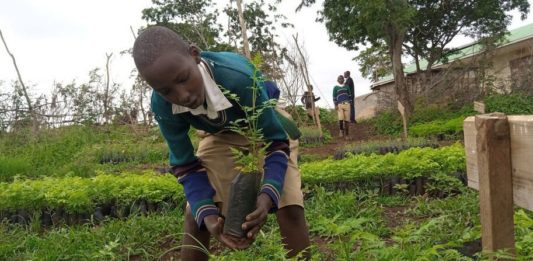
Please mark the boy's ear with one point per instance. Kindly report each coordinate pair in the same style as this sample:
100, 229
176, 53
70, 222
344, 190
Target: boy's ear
194, 51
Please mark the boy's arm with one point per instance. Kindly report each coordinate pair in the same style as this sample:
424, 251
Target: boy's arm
188, 169
277, 153
335, 95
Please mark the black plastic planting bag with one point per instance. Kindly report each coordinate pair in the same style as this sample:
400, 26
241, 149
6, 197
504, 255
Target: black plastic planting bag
242, 199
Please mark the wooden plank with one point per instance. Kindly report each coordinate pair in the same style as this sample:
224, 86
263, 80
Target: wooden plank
522, 159
479, 107
495, 182
470, 133
521, 132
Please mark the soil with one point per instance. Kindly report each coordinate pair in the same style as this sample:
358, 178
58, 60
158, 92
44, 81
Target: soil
322, 244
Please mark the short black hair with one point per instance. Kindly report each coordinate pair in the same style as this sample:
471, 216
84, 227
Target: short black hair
153, 42
347, 72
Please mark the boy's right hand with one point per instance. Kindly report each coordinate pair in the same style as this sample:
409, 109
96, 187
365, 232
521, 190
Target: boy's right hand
214, 225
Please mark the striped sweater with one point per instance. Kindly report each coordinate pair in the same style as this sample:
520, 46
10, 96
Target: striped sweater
341, 94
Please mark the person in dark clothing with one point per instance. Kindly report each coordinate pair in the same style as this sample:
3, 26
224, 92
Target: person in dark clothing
307, 99
349, 82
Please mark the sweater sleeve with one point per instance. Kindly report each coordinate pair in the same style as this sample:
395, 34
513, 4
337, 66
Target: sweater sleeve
335, 95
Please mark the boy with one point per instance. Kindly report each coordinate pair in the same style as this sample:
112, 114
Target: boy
341, 99
186, 93
349, 82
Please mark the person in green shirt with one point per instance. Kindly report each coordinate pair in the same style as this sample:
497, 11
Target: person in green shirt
187, 92
341, 99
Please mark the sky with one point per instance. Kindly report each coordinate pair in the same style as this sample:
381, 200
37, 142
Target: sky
62, 40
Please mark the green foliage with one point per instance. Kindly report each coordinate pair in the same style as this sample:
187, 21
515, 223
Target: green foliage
435, 26
248, 160
82, 195
509, 103
374, 62
409, 164
10, 167
352, 211
328, 116
195, 20
311, 136
438, 127
298, 113
425, 121
383, 146
262, 20
77, 150
138, 237
524, 234
388, 123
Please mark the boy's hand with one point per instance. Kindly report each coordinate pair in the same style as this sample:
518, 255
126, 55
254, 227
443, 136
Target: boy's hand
256, 219
214, 225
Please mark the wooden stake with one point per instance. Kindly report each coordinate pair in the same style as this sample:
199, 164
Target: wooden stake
495, 182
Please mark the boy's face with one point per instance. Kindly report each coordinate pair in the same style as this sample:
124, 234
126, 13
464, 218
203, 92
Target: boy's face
340, 79
346, 75
176, 77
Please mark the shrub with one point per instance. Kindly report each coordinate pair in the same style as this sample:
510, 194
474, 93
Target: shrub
388, 123
383, 147
311, 136
438, 127
82, 195
10, 167
408, 164
509, 103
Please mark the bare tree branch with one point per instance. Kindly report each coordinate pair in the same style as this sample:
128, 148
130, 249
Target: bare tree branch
18, 74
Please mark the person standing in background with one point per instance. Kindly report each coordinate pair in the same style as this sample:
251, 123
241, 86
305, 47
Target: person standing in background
308, 99
349, 82
341, 99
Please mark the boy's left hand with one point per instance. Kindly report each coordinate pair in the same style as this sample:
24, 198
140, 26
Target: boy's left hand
256, 219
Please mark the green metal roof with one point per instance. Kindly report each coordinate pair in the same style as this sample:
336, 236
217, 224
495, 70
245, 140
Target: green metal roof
464, 51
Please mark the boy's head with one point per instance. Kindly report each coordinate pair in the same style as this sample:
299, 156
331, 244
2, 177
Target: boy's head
347, 74
170, 66
340, 79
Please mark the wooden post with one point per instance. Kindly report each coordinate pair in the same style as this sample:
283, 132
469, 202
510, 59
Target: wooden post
495, 182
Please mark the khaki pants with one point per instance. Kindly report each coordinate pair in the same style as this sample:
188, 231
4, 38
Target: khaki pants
217, 158
343, 111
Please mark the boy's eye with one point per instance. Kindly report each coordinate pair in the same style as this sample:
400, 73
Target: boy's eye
182, 79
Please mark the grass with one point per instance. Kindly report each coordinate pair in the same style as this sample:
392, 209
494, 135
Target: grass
81, 151
138, 236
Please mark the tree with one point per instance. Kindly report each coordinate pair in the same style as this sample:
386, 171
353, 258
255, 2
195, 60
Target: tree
242, 23
351, 23
260, 20
374, 62
195, 20
422, 27
23, 88
437, 23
